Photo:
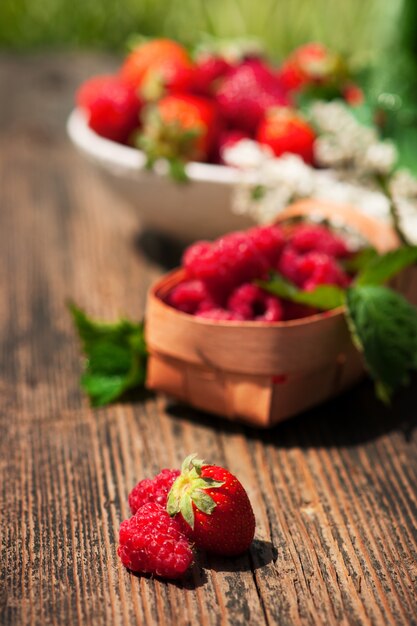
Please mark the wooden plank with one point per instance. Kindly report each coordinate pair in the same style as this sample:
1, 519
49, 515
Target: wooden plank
334, 490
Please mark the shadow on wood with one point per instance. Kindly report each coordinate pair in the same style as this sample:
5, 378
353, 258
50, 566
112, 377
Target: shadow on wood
353, 418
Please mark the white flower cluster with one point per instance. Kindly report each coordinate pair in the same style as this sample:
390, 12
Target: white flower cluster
344, 143
353, 156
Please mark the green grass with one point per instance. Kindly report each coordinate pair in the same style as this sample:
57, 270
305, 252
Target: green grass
359, 27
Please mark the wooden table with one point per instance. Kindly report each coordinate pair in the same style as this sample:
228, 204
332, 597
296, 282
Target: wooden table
334, 490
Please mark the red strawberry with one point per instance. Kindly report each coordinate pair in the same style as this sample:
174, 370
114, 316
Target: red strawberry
284, 130
209, 68
309, 64
180, 127
353, 94
158, 66
247, 92
213, 507
112, 107
151, 542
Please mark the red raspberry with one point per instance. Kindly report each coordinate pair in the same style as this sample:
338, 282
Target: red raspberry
112, 107
151, 542
229, 261
295, 311
288, 265
190, 296
252, 303
269, 240
220, 315
317, 268
152, 490
308, 237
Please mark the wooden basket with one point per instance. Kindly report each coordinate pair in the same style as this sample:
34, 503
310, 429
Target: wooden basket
257, 372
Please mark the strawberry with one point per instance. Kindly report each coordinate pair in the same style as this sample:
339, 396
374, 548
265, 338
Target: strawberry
213, 508
310, 64
112, 107
158, 66
353, 94
284, 130
247, 92
179, 128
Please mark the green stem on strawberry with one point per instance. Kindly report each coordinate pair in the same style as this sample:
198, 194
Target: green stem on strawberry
188, 488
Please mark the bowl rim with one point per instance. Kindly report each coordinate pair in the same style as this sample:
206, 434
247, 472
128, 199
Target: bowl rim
134, 160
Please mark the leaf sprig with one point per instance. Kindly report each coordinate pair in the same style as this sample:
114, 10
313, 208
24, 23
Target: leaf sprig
115, 357
382, 323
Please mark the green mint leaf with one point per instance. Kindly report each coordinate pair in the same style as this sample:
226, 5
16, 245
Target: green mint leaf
323, 297
360, 260
116, 357
383, 268
384, 328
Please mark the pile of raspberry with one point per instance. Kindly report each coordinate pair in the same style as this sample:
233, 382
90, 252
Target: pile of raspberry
221, 276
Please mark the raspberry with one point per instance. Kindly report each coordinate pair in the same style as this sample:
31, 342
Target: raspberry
252, 303
307, 237
288, 265
111, 105
269, 241
190, 296
220, 315
225, 263
317, 268
295, 311
151, 542
152, 490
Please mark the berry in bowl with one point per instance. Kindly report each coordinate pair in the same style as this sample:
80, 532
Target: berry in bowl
177, 113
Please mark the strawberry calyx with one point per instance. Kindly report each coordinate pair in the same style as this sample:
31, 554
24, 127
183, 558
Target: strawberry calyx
190, 488
168, 140
153, 86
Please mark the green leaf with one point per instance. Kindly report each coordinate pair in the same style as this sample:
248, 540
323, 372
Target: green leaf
360, 260
383, 268
324, 297
116, 357
384, 328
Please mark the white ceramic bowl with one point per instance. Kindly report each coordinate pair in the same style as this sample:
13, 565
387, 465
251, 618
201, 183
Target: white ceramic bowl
198, 209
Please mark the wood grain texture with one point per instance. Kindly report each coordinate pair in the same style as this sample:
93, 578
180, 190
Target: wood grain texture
334, 490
